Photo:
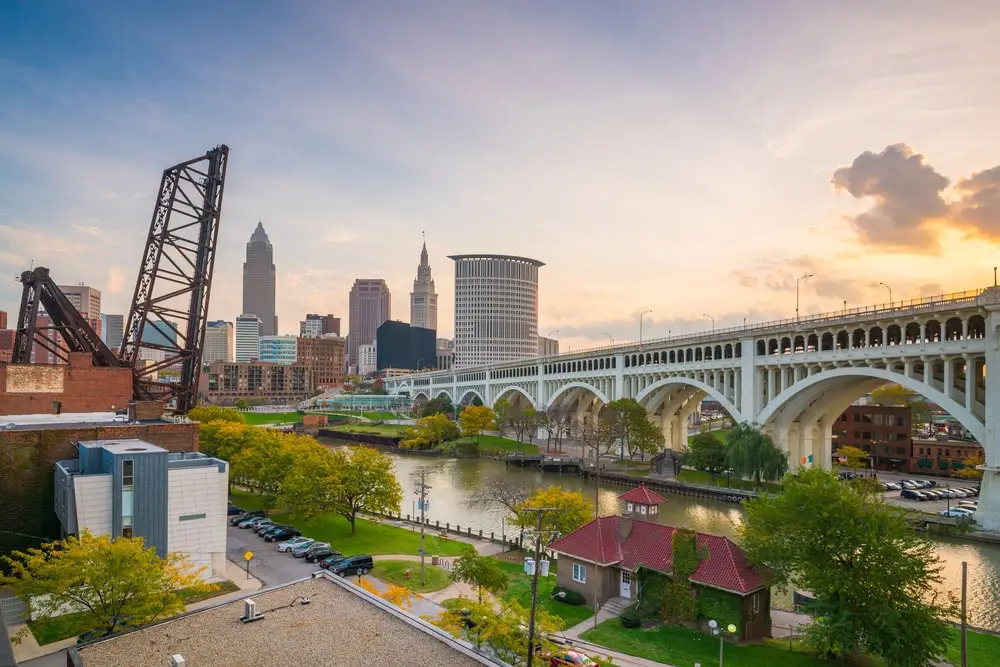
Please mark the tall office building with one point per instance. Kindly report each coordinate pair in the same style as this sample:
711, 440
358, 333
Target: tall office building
219, 342
547, 346
496, 309
278, 349
258, 282
315, 326
370, 305
423, 298
113, 330
247, 337
87, 301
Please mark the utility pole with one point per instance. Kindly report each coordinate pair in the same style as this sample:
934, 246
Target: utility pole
421, 490
534, 579
965, 573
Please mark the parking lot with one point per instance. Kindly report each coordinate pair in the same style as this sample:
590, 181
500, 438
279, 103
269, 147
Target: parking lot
271, 567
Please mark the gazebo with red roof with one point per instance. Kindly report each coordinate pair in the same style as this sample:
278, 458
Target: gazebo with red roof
642, 501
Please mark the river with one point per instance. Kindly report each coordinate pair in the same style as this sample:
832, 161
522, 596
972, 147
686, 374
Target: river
454, 481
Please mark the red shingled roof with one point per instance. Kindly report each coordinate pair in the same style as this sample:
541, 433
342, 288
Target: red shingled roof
651, 545
643, 496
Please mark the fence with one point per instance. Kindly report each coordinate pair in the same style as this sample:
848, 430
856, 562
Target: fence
447, 529
12, 610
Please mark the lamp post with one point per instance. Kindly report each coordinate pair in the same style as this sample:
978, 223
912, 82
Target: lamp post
716, 630
711, 318
797, 282
641, 315
890, 293
611, 338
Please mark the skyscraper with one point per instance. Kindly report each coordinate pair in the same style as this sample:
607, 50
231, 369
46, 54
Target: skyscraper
113, 330
315, 326
247, 337
370, 305
87, 301
496, 309
219, 341
423, 298
258, 282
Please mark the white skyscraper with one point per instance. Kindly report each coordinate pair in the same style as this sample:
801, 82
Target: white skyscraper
247, 337
219, 342
423, 298
496, 309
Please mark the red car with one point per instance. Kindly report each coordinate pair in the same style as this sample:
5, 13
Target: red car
570, 657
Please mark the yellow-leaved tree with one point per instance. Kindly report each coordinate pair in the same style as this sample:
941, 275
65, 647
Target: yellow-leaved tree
114, 584
475, 419
855, 457
569, 511
503, 632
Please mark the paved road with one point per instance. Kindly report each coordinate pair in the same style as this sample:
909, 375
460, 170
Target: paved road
271, 567
933, 506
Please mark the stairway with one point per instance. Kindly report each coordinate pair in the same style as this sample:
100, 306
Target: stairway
615, 606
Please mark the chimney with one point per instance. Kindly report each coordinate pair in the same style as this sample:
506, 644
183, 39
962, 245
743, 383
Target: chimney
624, 525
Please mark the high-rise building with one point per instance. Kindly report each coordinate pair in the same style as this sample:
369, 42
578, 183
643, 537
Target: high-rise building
323, 357
547, 346
247, 337
278, 349
161, 333
445, 354
6, 339
315, 326
496, 309
113, 330
259, 283
401, 346
423, 298
87, 301
219, 342
367, 359
370, 304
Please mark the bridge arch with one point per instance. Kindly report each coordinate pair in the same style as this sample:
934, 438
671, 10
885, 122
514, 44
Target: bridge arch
695, 384
403, 388
579, 385
465, 395
444, 392
517, 390
422, 393
805, 393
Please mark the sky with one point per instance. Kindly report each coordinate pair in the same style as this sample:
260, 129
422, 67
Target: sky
692, 159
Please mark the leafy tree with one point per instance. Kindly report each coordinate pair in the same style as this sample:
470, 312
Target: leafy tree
110, 582
242, 404
401, 596
501, 493
706, 452
368, 484
475, 419
636, 434
504, 633
438, 406
570, 511
873, 576
970, 465
429, 432
483, 572
856, 457
900, 396
752, 454
599, 435
264, 463
210, 413
503, 411
559, 424
312, 485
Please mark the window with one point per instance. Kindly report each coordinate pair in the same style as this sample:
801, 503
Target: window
756, 602
128, 474
191, 517
579, 573
127, 530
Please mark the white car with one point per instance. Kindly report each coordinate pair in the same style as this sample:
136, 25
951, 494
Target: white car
958, 513
294, 542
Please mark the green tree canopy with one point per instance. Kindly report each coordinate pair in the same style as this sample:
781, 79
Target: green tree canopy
212, 413
475, 419
636, 434
873, 576
706, 452
570, 511
367, 484
483, 572
429, 432
751, 454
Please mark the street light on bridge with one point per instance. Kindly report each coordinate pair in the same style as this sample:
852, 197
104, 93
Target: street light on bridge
797, 281
641, 315
711, 318
890, 293
611, 338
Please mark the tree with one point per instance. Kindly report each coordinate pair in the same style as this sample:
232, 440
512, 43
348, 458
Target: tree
207, 414
242, 404
503, 633
483, 572
430, 431
570, 511
752, 454
263, 464
501, 493
438, 406
706, 452
599, 435
401, 596
112, 583
855, 457
898, 395
503, 411
475, 419
970, 466
312, 485
871, 573
636, 434
558, 424
368, 484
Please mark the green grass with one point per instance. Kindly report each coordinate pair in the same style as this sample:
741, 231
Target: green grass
705, 479
374, 416
57, 628
371, 538
721, 434
680, 646
258, 418
519, 590
374, 429
394, 572
983, 649
492, 442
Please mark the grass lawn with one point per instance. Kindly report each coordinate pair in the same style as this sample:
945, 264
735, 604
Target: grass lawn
394, 572
983, 649
374, 429
258, 418
371, 538
519, 589
490, 442
705, 479
721, 434
679, 646
57, 628
374, 416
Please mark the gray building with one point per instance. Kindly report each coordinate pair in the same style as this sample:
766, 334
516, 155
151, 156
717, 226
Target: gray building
259, 282
370, 305
423, 298
113, 330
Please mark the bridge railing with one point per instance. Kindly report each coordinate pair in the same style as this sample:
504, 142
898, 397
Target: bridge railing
967, 296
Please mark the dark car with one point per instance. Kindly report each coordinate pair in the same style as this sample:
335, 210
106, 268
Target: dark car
330, 561
247, 515
319, 553
281, 534
234, 510
361, 564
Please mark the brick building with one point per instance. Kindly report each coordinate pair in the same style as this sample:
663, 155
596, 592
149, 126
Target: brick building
30, 389
6, 344
942, 455
881, 430
255, 381
323, 357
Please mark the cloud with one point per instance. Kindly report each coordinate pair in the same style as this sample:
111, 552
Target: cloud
826, 280
907, 193
977, 208
115, 283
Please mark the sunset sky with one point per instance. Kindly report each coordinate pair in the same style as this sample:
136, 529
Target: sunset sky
686, 157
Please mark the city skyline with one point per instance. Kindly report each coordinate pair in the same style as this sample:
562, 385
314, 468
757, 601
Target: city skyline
633, 147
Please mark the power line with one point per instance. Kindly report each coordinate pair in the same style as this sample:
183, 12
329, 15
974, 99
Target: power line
540, 511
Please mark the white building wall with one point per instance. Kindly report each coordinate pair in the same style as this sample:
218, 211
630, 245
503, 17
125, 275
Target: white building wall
93, 503
193, 491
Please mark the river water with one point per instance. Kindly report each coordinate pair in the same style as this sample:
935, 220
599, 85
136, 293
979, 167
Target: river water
454, 481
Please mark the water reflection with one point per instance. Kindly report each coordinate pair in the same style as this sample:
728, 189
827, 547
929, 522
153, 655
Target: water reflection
453, 481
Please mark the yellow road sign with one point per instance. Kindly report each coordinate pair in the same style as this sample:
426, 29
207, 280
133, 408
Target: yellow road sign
248, 555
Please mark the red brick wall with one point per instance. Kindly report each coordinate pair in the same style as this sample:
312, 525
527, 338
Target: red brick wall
313, 420
86, 388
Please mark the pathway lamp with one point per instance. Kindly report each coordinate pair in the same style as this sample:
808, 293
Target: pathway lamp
713, 320
719, 630
890, 293
641, 315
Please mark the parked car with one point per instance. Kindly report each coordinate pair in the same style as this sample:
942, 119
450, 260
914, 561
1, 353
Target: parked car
360, 564
958, 513
280, 534
969, 503
912, 494
247, 515
234, 510
261, 526
319, 553
301, 550
251, 522
329, 561
288, 545
564, 658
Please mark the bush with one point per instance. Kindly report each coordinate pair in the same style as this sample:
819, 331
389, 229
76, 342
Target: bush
569, 597
630, 619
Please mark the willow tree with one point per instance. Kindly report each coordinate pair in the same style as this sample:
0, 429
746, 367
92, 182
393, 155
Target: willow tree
750, 453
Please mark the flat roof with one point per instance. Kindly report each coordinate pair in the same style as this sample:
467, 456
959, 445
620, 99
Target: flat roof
342, 626
69, 420
123, 446
514, 258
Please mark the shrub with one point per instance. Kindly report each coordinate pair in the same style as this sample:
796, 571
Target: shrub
630, 619
569, 597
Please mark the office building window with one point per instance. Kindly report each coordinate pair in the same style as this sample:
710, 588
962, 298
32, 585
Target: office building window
128, 474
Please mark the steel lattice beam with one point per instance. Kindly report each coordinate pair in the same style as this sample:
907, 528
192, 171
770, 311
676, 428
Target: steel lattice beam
175, 280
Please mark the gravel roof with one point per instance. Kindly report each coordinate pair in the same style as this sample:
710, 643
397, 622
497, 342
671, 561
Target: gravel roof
342, 626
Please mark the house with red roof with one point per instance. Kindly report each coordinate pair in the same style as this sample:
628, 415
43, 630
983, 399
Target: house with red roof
603, 558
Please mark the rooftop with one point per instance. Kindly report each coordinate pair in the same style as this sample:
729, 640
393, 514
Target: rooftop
342, 626
68, 420
513, 258
123, 446
651, 545
642, 496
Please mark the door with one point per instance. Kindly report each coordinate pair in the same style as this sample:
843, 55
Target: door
626, 589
